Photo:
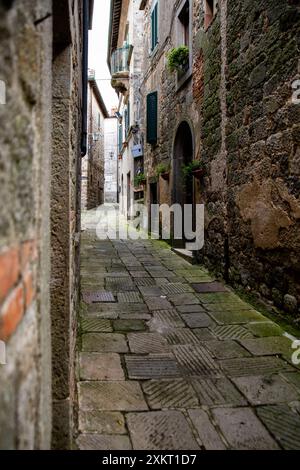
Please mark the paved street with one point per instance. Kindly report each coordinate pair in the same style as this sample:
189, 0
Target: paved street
170, 360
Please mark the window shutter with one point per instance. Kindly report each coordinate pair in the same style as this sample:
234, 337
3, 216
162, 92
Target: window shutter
154, 27
152, 118
156, 24
120, 137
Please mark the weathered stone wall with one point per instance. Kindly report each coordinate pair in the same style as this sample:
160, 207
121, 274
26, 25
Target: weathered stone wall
25, 141
176, 103
65, 213
93, 164
263, 149
246, 131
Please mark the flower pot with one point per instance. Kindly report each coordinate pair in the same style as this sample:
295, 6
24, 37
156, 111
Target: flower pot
198, 173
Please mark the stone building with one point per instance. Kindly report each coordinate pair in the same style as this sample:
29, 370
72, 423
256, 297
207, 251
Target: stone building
92, 189
111, 158
43, 48
125, 63
228, 106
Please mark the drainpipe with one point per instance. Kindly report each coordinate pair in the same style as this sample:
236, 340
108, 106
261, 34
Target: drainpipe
85, 47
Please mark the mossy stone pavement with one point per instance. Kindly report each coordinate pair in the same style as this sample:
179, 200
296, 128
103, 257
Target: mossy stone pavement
162, 367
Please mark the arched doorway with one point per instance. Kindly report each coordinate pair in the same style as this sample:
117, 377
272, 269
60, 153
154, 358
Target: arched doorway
183, 190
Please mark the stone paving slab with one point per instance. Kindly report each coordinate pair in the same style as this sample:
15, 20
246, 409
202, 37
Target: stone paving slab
106, 342
102, 422
152, 367
129, 325
111, 396
162, 394
266, 390
183, 299
242, 429
231, 332
241, 367
129, 297
194, 360
103, 442
225, 349
197, 320
165, 319
95, 366
283, 423
190, 308
147, 343
236, 317
208, 435
157, 303
98, 296
150, 291
181, 336
268, 346
96, 325
217, 391
160, 430
176, 288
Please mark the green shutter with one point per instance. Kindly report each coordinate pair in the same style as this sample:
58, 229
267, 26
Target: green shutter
156, 24
120, 137
152, 118
154, 27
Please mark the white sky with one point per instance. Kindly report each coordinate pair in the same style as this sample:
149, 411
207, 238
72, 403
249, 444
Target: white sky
98, 52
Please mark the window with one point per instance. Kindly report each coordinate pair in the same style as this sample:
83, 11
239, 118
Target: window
184, 24
120, 138
152, 118
209, 12
154, 27
127, 119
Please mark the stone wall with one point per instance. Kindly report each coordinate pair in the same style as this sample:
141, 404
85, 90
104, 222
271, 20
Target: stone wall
65, 213
93, 163
239, 105
263, 149
25, 140
176, 103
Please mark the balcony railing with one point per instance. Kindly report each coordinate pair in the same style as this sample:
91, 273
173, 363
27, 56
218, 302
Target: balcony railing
120, 60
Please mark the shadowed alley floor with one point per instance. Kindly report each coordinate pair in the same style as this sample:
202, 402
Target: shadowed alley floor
163, 367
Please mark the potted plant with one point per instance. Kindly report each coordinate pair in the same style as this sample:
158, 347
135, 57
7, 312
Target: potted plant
139, 180
163, 171
194, 168
178, 59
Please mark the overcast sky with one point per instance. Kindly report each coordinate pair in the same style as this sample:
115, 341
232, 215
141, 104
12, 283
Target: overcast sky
98, 52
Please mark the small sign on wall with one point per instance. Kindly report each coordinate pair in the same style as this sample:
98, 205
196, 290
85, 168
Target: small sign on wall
137, 151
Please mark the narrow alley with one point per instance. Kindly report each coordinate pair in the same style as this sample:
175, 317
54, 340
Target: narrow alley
149, 229
171, 359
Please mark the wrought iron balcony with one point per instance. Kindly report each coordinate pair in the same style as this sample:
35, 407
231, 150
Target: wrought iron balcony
120, 61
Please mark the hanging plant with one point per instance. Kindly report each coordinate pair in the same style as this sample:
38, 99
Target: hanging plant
139, 180
178, 58
194, 168
163, 171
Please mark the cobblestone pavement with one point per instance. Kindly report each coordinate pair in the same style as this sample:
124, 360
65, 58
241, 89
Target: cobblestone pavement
162, 367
